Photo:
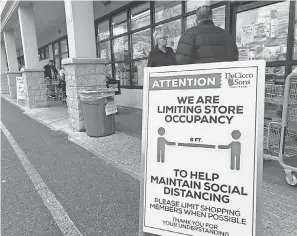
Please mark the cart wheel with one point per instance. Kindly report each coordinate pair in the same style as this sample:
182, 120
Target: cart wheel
291, 179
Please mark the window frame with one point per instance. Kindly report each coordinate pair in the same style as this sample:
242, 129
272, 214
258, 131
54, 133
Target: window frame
59, 55
42, 49
239, 7
231, 9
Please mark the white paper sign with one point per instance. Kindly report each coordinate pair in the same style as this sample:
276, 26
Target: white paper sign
111, 108
202, 149
20, 88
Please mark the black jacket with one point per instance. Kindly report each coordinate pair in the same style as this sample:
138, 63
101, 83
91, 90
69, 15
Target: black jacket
206, 43
159, 58
47, 71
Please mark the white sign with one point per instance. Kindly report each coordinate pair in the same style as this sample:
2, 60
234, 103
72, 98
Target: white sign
111, 108
20, 88
202, 149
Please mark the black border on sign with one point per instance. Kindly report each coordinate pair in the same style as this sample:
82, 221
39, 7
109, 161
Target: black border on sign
255, 128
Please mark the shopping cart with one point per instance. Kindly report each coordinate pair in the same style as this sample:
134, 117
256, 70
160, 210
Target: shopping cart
280, 135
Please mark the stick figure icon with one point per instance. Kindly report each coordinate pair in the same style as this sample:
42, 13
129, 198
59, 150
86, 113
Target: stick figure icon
235, 147
162, 142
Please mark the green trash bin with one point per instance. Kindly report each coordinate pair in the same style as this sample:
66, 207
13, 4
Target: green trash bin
97, 122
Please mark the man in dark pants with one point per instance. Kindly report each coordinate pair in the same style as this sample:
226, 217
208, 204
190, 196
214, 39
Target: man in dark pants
205, 42
50, 73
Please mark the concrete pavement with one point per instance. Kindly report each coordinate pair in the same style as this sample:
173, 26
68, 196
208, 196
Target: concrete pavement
99, 198
122, 150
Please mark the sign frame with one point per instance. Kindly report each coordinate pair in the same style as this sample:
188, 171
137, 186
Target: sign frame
259, 133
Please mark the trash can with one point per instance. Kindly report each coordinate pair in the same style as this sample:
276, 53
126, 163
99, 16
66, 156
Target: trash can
99, 109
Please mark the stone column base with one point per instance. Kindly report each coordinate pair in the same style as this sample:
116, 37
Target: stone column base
11, 77
81, 74
4, 84
35, 88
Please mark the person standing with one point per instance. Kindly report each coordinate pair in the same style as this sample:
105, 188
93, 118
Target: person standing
205, 42
50, 74
161, 55
50, 70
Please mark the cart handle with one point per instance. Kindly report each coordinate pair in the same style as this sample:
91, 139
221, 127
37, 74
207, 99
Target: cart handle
285, 121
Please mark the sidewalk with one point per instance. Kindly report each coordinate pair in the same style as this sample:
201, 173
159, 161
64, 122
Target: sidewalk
123, 150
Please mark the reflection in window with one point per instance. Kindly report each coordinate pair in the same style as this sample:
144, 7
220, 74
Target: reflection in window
140, 16
173, 31
166, 10
122, 73
275, 75
120, 48
295, 36
119, 24
46, 52
141, 44
138, 72
108, 71
105, 50
64, 47
218, 18
190, 21
57, 63
192, 5
56, 48
262, 33
103, 30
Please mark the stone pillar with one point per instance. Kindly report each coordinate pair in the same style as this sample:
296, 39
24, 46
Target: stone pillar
4, 82
11, 53
28, 34
81, 74
35, 88
80, 29
11, 77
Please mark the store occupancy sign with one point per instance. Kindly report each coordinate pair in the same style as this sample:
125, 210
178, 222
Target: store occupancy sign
202, 149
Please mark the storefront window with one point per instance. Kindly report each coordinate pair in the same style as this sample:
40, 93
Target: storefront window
140, 16
173, 31
119, 24
193, 5
105, 50
295, 36
57, 63
262, 33
167, 10
64, 47
141, 44
120, 48
218, 18
56, 48
275, 75
108, 71
190, 21
103, 30
122, 73
138, 72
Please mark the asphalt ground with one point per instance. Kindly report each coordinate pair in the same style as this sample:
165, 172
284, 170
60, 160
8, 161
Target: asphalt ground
99, 198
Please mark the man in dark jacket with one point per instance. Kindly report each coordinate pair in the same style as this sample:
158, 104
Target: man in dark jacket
50, 70
206, 43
